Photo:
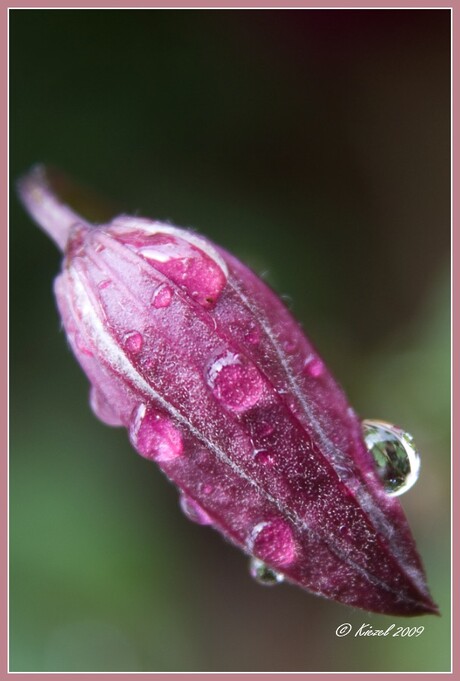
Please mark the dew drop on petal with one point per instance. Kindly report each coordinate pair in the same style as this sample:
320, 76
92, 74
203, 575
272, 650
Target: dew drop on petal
195, 267
102, 408
193, 511
266, 429
162, 296
235, 382
154, 436
313, 366
264, 458
290, 345
133, 342
252, 336
272, 541
82, 346
263, 574
395, 455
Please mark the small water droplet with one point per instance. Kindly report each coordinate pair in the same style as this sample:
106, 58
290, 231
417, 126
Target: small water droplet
272, 541
207, 488
313, 366
290, 345
162, 296
81, 345
154, 436
235, 382
263, 457
395, 455
263, 574
266, 429
194, 511
102, 408
133, 342
252, 336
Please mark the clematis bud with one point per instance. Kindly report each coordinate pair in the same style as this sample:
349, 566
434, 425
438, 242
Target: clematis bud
216, 382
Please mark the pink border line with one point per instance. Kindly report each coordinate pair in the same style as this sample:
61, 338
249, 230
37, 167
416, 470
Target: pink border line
140, 4
253, 4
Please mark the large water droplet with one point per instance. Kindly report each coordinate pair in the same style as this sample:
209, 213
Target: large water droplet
264, 574
192, 266
272, 541
235, 381
154, 436
194, 511
395, 455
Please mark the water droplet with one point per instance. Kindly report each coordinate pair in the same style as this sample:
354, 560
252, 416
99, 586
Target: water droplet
252, 336
263, 457
290, 345
313, 366
207, 488
272, 541
191, 264
133, 342
266, 429
263, 574
395, 455
162, 296
235, 381
154, 436
194, 511
81, 345
102, 408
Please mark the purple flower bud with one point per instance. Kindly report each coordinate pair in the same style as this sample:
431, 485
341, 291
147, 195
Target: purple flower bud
216, 382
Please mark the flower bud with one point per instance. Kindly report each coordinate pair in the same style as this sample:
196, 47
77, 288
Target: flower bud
216, 382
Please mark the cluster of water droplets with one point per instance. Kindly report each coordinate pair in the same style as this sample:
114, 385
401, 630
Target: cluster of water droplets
238, 385
398, 465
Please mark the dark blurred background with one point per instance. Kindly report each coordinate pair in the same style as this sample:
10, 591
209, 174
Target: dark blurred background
315, 145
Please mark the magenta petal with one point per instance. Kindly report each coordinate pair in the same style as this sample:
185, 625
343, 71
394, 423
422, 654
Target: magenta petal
217, 383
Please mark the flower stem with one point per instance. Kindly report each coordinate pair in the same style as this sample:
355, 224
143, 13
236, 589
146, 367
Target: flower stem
54, 217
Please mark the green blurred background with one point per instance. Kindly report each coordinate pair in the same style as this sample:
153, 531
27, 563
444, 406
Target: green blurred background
316, 146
